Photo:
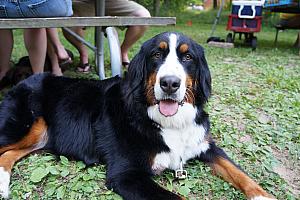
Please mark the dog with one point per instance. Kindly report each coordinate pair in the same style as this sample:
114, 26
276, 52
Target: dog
139, 125
22, 70
19, 72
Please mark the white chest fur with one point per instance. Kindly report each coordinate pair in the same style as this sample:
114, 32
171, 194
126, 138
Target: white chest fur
184, 144
182, 135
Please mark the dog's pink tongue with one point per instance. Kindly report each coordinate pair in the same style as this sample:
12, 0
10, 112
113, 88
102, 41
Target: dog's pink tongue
168, 107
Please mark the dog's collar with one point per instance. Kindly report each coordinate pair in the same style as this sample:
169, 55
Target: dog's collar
181, 173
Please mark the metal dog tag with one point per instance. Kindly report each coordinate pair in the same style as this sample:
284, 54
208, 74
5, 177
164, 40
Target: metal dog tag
181, 173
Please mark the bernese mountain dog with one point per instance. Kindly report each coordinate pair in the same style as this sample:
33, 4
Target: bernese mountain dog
150, 120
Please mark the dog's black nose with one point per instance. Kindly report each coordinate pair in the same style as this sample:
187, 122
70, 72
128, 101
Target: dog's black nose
169, 84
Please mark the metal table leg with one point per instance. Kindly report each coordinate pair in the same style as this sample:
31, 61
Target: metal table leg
99, 35
114, 50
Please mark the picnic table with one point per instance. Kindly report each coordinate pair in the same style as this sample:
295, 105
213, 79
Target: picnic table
284, 6
103, 25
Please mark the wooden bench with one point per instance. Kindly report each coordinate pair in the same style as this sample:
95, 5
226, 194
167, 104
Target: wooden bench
97, 22
84, 21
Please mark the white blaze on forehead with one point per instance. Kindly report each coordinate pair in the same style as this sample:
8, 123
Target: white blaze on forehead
171, 67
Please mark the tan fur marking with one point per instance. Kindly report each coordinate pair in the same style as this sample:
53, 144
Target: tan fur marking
15, 152
163, 45
8, 159
33, 137
189, 96
183, 48
238, 179
150, 89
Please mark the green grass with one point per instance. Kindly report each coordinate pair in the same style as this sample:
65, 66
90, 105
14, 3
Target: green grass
254, 114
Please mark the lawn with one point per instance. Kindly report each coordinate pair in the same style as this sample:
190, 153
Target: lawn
255, 117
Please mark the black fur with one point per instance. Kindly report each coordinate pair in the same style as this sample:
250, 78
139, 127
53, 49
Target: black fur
105, 121
22, 70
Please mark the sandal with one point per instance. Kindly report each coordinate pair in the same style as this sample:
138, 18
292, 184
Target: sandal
125, 64
64, 63
84, 68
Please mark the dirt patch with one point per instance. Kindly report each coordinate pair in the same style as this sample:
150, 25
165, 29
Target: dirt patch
289, 170
232, 61
245, 138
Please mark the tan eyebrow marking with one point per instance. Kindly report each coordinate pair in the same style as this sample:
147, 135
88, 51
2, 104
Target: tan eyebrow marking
183, 48
163, 45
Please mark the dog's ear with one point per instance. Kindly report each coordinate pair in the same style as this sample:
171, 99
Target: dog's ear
203, 75
134, 81
136, 68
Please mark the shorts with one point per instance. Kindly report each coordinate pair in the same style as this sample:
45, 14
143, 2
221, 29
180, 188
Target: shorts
85, 8
35, 8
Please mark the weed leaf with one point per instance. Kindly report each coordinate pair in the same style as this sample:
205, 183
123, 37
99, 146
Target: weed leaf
38, 174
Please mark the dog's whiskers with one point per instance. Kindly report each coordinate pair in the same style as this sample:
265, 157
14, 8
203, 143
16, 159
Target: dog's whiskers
189, 95
150, 94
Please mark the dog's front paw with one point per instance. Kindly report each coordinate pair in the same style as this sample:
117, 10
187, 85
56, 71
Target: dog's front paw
4, 183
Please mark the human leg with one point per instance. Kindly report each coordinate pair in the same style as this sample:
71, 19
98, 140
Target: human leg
81, 9
58, 47
6, 41
81, 48
133, 33
55, 68
36, 45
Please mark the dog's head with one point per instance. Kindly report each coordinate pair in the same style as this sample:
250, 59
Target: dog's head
172, 72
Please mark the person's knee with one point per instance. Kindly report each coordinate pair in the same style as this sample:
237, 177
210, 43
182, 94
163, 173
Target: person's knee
142, 13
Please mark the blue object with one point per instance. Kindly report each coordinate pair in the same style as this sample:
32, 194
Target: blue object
35, 8
247, 10
276, 3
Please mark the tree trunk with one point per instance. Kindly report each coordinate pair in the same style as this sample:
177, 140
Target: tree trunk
215, 4
156, 4
167, 4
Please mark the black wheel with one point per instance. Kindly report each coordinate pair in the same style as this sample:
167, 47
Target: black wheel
229, 38
254, 43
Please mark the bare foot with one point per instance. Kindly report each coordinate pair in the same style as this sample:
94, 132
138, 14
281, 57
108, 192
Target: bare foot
125, 60
62, 54
57, 71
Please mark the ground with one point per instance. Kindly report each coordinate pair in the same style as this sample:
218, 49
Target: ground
255, 117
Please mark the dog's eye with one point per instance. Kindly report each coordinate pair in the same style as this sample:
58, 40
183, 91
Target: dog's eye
187, 57
157, 55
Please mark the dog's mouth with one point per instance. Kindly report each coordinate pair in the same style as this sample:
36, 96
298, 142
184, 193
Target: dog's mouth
168, 107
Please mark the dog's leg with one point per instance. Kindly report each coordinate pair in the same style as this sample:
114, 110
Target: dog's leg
34, 140
7, 161
216, 158
33, 137
139, 185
